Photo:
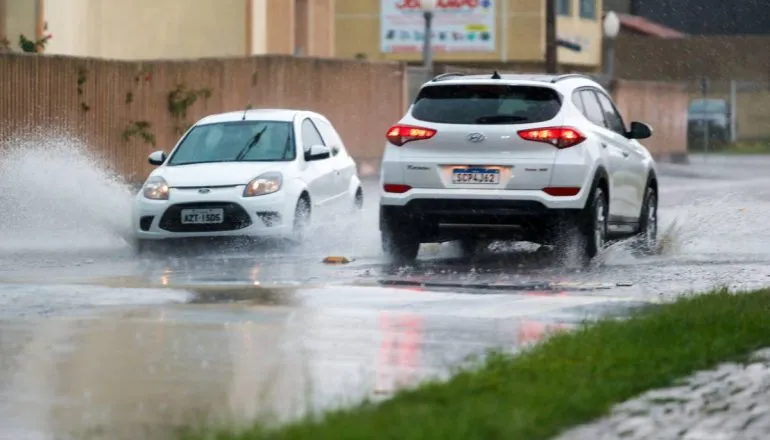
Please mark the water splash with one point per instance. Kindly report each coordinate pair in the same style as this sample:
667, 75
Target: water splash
728, 227
59, 197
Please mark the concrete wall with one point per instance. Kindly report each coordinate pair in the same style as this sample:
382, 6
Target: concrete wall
20, 18
142, 29
719, 57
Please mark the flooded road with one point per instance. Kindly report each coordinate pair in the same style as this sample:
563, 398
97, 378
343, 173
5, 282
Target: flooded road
94, 339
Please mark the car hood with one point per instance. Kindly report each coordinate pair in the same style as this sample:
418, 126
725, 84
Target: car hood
215, 174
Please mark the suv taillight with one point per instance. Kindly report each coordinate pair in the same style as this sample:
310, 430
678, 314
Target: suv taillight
559, 137
401, 134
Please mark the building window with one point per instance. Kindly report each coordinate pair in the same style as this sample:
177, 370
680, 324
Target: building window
564, 7
588, 9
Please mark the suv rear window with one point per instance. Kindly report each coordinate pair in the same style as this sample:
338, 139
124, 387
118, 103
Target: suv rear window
486, 104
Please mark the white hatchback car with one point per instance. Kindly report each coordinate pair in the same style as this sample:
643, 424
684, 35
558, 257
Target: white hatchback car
264, 173
533, 158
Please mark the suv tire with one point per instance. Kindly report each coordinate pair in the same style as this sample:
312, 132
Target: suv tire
400, 242
399, 248
648, 223
593, 226
588, 228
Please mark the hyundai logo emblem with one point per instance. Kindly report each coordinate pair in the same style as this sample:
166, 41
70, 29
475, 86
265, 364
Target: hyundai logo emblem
204, 190
476, 137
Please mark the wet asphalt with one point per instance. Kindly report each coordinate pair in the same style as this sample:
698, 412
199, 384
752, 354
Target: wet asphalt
95, 339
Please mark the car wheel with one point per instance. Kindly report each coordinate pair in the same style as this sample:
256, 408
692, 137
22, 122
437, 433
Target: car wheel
400, 248
140, 247
143, 248
648, 223
301, 220
594, 225
358, 200
470, 247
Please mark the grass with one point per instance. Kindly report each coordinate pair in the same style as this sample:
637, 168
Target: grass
569, 379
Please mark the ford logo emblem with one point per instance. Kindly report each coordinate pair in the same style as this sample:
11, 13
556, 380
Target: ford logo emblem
204, 190
476, 137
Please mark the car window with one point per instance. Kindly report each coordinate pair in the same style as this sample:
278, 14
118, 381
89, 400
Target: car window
611, 115
592, 109
486, 104
241, 141
578, 101
310, 135
330, 136
708, 106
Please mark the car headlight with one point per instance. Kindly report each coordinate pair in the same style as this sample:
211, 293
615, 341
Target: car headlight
155, 188
266, 183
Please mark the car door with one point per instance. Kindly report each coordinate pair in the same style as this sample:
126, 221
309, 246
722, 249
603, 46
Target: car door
612, 148
633, 155
343, 166
620, 208
319, 174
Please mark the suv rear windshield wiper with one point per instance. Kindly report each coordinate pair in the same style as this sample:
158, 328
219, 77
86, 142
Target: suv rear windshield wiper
500, 119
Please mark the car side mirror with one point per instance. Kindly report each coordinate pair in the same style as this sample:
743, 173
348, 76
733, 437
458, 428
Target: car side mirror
639, 130
318, 152
157, 158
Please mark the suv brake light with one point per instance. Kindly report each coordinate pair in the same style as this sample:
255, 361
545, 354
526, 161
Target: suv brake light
559, 137
401, 134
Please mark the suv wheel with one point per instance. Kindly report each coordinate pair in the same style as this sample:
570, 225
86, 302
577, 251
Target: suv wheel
399, 248
590, 229
648, 223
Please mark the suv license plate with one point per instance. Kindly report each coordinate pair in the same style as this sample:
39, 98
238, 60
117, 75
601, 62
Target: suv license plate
482, 176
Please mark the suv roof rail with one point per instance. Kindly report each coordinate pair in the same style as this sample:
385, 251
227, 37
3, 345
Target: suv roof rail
447, 75
570, 75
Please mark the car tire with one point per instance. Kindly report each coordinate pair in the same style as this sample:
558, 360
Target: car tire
143, 248
358, 200
399, 248
648, 223
301, 221
470, 247
592, 224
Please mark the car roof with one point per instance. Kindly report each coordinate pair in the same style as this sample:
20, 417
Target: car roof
569, 79
261, 114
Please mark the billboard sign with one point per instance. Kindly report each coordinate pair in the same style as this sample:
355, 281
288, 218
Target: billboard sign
458, 26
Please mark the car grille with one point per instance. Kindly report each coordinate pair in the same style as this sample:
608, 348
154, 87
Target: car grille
235, 217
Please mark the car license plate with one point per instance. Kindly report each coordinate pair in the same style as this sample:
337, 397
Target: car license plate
202, 216
483, 176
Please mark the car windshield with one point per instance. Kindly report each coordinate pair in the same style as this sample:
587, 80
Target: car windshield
486, 104
708, 106
241, 141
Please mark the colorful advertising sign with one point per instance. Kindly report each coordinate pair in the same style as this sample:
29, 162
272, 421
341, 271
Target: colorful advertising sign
458, 26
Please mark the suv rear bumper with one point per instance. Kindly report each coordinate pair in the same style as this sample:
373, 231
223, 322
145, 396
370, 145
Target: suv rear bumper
435, 220
539, 197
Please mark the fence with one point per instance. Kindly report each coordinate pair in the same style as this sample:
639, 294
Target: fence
125, 110
739, 111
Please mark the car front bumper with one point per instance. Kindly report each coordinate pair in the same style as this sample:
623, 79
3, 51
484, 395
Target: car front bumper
263, 216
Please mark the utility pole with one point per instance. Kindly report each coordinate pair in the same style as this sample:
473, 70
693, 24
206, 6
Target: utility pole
551, 63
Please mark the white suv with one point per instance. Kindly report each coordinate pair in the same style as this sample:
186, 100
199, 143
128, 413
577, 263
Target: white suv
534, 158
